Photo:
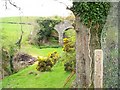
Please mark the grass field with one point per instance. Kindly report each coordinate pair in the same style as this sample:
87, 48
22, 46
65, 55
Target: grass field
23, 79
18, 19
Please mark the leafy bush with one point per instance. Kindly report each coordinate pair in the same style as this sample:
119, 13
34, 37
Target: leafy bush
46, 63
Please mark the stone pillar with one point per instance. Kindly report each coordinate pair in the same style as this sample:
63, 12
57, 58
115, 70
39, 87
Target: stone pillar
60, 38
98, 68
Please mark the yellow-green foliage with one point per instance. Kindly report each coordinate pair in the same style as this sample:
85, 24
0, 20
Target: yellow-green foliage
69, 55
46, 63
68, 45
53, 57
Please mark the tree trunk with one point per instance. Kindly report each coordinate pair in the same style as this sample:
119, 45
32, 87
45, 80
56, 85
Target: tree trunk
83, 59
87, 40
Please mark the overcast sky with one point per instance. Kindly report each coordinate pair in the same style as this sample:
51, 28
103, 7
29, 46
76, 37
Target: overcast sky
35, 8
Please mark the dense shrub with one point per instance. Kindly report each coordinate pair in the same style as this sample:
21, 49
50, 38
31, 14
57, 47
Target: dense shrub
46, 63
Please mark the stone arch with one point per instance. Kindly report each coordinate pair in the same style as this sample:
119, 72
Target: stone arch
67, 30
61, 27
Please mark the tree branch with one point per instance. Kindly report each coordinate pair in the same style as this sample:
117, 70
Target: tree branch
13, 4
67, 7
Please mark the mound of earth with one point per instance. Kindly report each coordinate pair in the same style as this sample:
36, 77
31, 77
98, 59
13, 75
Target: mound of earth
22, 60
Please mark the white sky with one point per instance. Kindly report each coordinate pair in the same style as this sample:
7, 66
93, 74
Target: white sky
35, 8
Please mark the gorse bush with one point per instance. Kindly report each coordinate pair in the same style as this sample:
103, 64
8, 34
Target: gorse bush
68, 56
68, 45
53, 57
46, 63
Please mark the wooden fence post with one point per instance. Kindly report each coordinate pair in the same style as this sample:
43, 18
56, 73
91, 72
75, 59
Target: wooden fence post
98, 68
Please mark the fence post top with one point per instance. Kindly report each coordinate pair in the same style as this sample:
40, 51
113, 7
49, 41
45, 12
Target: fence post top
98, 50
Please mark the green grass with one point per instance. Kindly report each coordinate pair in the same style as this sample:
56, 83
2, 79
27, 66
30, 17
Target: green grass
36, 51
